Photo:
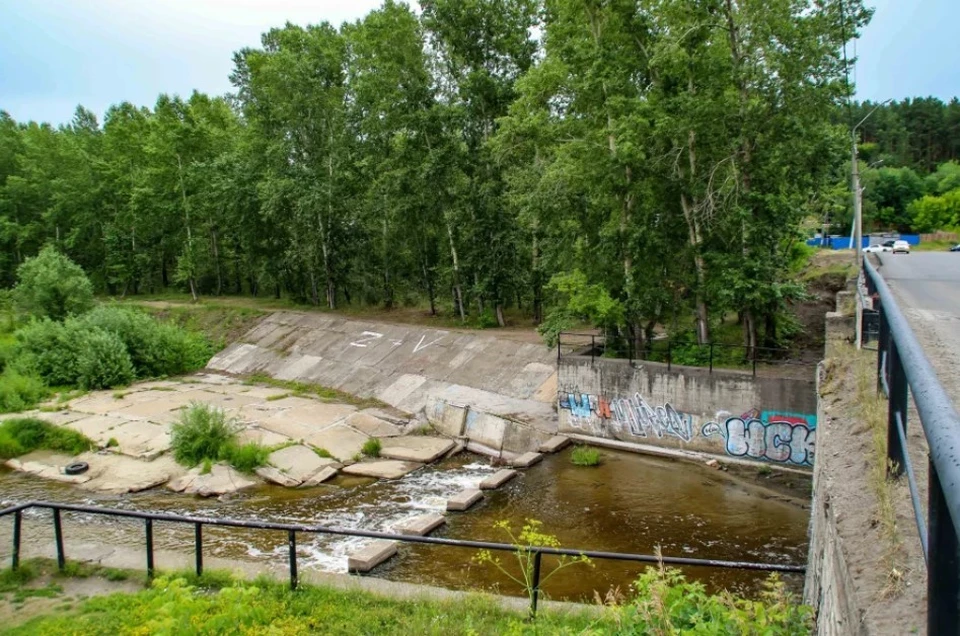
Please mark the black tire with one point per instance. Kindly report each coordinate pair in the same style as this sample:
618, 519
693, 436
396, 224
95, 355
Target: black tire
76, 468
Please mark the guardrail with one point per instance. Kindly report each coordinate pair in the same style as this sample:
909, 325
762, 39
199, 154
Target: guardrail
666, 350
292, 529
902, 367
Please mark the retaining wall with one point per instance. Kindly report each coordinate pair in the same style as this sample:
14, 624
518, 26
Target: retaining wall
724, 413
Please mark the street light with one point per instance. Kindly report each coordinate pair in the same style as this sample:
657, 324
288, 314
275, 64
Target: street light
857, 192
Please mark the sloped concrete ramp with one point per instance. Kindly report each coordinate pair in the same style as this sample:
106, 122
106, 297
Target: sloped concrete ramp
407, 367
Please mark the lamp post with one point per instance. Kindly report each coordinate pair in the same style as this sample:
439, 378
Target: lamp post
857, 191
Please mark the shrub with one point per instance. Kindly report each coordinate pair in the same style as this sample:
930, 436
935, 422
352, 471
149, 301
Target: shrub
245, 457
50, 350
20, 392
372, 447
22, 435
585, 456
203, 432
103, 361
51, 285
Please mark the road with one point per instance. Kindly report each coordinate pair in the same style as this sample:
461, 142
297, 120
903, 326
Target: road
927, 286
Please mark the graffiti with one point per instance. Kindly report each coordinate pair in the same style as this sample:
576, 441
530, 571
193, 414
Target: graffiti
631, 414
776, 441
421, 346
810, 421
369, 336
365, 337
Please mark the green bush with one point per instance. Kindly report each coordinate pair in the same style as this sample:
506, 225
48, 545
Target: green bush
372, 447
585, 456
103, 362
50, 285
20, 392
51, 350
203, 432
22, 435
245, 457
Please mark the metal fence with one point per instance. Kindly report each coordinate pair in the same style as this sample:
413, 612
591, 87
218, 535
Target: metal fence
292, 530
667, 351
902, 368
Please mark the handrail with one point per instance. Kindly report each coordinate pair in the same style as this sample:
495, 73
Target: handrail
292, 529
901, 363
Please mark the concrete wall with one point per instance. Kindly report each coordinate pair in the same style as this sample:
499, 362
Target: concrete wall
483, 432
725, 413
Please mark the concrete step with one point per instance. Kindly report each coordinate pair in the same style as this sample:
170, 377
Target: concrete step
464, 500
527, 460
498, 479
382, 469
554, 444
416, 448
421, 526
371, 556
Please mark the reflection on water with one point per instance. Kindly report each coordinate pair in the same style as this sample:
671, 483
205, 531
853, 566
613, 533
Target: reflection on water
630, 503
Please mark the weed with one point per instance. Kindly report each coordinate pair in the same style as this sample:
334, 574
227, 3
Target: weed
115, 574
585, 456
764, 471
245, 457
207, 467
119, 395
423, 429
315, 390
201, 433
22, 435
323, 452
11, 579
112, 442
274, 398
372, 447
51, 590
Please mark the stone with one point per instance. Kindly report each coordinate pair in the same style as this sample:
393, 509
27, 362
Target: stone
275, 476
498, 479
416, 448
372, 425
221, 480
371, 555
554, 444
382, 469
464, 500
527, 460
712, 463
421, 526
320, 476
340, 441
300, 463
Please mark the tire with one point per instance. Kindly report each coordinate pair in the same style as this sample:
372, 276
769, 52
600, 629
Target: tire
76, 468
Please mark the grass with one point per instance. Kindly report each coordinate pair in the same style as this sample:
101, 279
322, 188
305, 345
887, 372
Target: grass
933, 246
326, 394
371, 447
20, 436
204, 435
585, 456
323, 453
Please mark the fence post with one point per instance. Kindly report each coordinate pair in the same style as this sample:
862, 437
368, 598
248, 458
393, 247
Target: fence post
17, 520
292, 542
943, 563
535, 592
559, 336
754, 362
897, 384
58, 538
149, 529
198, 547
711, 357
883, 343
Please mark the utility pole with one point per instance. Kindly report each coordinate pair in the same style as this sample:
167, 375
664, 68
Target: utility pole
857, 243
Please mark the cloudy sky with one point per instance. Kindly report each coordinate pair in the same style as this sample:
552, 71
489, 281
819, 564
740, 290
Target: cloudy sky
55, 54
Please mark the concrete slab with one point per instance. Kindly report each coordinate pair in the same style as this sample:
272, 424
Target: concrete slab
421, 526
372, 425
97, 403
141, 439
219, 481
498, 479
322, 475
382, 469
261, 436
299, 463
120, 474
372, 555
527, 460
554, 444
276, 476
340, 441
464, 500
416, 448
160, 411
47, 465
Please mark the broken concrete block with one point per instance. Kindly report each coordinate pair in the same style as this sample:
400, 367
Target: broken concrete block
322, 475
386, 469
498, 479
554, 444
526, 460
422, 525
418, 448
464, 500
275, 476
371, 556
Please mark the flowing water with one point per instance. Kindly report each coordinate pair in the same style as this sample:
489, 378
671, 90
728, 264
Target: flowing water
630, 503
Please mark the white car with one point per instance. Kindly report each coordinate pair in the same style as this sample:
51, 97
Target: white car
901, 247
876, 248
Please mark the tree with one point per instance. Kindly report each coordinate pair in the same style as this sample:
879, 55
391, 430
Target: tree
50, 285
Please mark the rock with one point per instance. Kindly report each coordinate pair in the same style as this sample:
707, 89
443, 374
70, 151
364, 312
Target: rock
221, 480
422, 525
275, 476
464, 500
498, 479
372, 555
712, 463
526, 460
554, 444
416, 448
382, 469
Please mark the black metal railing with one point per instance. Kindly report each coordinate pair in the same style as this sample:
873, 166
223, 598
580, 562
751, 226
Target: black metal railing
902, 368
293, 529
710, 355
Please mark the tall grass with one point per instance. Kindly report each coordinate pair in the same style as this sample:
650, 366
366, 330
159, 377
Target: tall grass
204, 434
22, 435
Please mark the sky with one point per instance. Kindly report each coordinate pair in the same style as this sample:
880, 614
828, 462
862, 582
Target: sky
55, 54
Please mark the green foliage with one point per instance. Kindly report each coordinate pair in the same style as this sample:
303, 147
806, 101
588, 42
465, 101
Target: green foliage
585, 456
666, 603
323, 453
22, 435
371, 447
245, 457
103, 361
556, 322
202, 432
932, 213
20, 392
50, 285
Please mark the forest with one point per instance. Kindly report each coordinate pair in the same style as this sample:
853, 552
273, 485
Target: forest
630, 163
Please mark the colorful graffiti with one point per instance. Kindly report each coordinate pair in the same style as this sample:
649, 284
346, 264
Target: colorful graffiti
776, 441
633, 415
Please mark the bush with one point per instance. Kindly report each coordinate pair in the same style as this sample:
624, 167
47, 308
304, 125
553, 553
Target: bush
22, 435
50, 350
585, 456
103, 362
372, 447
203, 432
245, 457
20, 392
50, 285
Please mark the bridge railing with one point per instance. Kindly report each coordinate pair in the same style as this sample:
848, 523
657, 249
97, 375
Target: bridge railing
903, 368
292, 530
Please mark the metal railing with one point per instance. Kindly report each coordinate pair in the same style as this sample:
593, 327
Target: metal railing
665, 353
903, 368
293, 529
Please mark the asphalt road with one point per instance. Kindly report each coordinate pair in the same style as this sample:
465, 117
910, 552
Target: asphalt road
927, 286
